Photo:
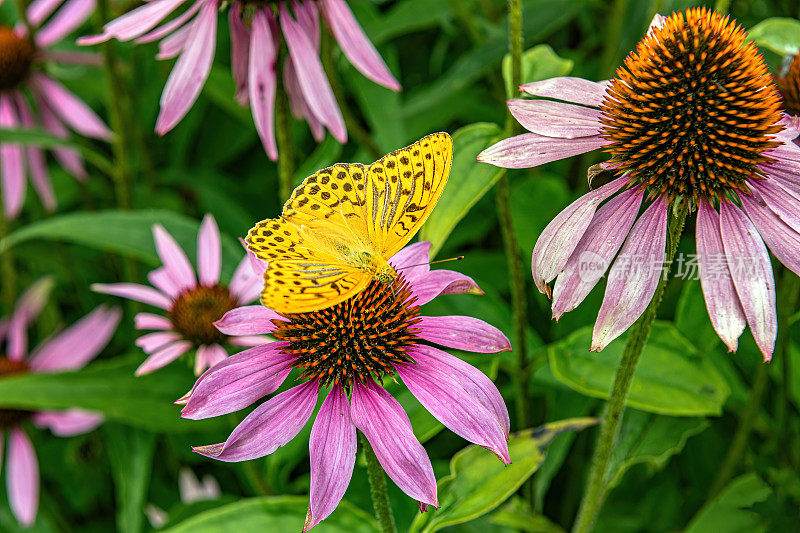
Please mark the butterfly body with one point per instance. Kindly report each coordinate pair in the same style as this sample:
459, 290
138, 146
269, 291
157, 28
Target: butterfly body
343, 223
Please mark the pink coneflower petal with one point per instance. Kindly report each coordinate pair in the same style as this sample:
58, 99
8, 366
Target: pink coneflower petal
22, 477
37, 163
248, 320
298, 103
455, 407
467, 376
134, 291
387, 428
556, 119
463, 333
634, 276
174, 259
151, 321
248, 341
152, 342
207, 356
68, 158
39, 10
791, 128
246, 284
68, 423
140, 20
530, 150
779, 201
782, 239
12, 162
172, 25
270, 426
751, 270
311, 76
724, 308
28, 307
262, 81
66, 20
173, 44
441, 282
73, 58
209, 252
560, 238
595, 251
78, 344
568, 89
332, 447
237, 382
307, 17
70, 108
355, 44
191, 70
415, 254
240, 51
161, 280
163, 357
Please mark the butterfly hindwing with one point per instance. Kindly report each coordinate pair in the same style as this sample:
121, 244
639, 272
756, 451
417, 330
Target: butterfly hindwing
403, 188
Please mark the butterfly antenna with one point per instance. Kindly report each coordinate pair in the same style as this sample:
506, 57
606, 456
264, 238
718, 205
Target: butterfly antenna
459, 258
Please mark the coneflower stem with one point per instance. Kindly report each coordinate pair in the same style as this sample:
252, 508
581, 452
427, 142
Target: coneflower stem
595, 491
377, 485
9, 275
283, 138
613, 41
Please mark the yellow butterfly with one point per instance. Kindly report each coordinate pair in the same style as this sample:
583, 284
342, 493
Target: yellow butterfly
343, 223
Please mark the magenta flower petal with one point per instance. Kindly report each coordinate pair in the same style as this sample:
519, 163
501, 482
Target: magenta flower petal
140, 20
298, 102
66, 20
561, 236
190, 71
173, 44
355, 44
311, 76
27, 308
463, 333
151, 321
161, 280
68, 158
724, 308
39, 10
594, 252
467, 376
531, 150
782, 239
270, 426
569, 89
163, 357
240, 51
171, 26
332, 448
262, 81
12, 162
152, 342
307, 17
37, 163
134, 291
634, 276
209, 252
780, 201
556, 119
175, 261
387, 428
456, 408
207, 356
78, 344
440, 282
248, 320
415, 254
238, 381
249, 341
22, 477
70, 108
67, 423
751, 270
246, 284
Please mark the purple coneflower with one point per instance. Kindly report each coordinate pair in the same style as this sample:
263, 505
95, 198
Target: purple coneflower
350, 347
21, 62
691, 117
255, 38
69, 350
192, 302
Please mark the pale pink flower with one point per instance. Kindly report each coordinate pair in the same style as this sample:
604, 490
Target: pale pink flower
68, 350
55, 109
255, 34
701, 126
351, 347
192, 303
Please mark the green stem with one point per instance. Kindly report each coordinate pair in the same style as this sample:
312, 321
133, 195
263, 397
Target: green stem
722, 6
9, 275
595, 491
283, 136
377, 485
790, 285
609, 61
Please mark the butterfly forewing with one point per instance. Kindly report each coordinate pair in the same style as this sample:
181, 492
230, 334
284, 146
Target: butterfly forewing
402, 189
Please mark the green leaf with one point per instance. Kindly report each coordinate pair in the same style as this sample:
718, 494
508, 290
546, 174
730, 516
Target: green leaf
649, 439
130, 452
781, 35
124, 232
468, 182
479, 482
44, 139
728, 511
406, 17
274, 514
538, 63
672, 378
516, 514
109, 387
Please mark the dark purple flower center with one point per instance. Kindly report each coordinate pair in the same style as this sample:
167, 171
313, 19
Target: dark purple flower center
789, 86
16, 57
12, 417
194, 312
693, 109
358, 339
